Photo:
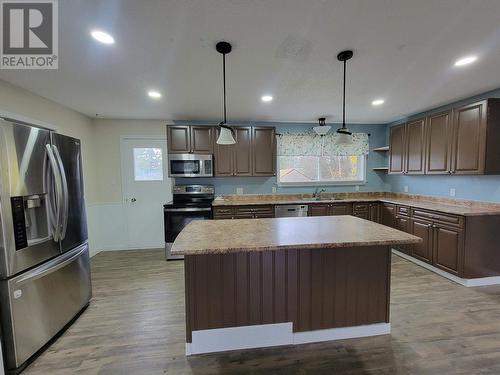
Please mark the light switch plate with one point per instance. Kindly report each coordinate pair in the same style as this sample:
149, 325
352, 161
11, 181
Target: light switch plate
356, 188
452, 192
406, 188
239, 191
273, 189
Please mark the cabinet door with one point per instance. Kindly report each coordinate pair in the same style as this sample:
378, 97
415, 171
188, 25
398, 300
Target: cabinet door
318, 210
201, 139
243, 151
178, 139
403, 224
387, 214
422, 229
469, 139
340, 209
264, 151
374, 212
361, 214
448, 248
223, 158
397, 149
438, 143
415, 147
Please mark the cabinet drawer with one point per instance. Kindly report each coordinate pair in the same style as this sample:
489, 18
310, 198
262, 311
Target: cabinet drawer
360, 206
403, 210
219, 211
223, 217
263, 209
438, 217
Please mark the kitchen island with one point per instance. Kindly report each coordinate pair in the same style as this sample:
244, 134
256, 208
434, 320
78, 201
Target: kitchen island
267, 282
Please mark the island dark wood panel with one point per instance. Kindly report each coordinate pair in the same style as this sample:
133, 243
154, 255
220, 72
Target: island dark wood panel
314, 289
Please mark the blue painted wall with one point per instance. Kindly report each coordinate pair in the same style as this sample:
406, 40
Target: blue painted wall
483, 188
264, 185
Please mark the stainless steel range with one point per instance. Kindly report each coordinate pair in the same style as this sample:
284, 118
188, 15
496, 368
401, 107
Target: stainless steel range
190, 202
44, 255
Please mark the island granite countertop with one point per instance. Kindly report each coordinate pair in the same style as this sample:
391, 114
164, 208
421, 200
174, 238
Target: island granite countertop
247, 235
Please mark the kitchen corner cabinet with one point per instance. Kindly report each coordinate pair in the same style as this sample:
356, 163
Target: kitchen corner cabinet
253, 154
462, 141
388, 214
185, 139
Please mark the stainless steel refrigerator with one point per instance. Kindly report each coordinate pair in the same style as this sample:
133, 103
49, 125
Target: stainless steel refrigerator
44, 255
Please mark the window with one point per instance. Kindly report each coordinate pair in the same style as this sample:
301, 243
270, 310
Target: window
321, 170
308, 159
148, 164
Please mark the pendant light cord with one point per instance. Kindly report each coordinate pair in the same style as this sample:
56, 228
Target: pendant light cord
224, 83
343, 100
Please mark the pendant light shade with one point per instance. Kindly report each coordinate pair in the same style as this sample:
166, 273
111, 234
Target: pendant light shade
322, 128
226, 133
344, 136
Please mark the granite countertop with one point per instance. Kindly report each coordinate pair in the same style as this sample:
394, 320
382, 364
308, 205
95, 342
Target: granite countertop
446, 205
248, 235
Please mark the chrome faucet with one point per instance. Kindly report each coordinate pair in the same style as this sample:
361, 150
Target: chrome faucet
318, 192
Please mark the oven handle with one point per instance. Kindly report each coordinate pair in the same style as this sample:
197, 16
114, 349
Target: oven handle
188, 209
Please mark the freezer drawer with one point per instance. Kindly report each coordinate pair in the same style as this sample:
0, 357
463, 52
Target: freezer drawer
42, 301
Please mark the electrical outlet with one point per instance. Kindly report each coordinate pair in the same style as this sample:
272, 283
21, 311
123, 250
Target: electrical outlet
273, 189
239, 191
406, 188
356, 188
452, 192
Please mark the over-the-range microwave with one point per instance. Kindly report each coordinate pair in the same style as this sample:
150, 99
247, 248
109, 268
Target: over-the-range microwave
190, 165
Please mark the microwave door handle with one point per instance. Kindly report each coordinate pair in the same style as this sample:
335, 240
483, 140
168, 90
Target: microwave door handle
55, 201
65, 194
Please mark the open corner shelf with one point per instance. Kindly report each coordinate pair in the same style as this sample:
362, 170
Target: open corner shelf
381, 149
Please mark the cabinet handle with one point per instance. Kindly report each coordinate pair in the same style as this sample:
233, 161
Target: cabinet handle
453, 171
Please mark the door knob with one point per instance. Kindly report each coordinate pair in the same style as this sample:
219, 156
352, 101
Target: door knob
133, 200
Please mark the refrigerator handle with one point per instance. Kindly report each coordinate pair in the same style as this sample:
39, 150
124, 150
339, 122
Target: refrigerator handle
65, 196
54, 202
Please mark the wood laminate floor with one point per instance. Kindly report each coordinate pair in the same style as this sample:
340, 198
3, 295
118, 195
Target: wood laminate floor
135, 325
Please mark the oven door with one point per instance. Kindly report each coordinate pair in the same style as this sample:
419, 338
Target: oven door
177, 218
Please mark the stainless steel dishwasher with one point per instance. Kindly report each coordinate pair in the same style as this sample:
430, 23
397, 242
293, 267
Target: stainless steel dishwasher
291, 210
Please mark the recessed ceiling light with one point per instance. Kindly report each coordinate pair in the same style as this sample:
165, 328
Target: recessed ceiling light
378, 102
465, 61
267, 98
102, 37
154, 94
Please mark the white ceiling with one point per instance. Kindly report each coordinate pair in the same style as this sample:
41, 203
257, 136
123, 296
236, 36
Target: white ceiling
403, 52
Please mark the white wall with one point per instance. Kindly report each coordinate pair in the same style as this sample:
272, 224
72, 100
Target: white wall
15, 101
109, 209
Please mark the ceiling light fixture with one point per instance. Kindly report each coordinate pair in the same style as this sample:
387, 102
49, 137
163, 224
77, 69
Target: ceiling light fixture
344, 135
267, 98
378, 102
465, 60
322, 128
226, 133
154, 94
102, 37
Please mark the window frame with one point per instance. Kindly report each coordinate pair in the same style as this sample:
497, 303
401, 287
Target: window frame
320, 183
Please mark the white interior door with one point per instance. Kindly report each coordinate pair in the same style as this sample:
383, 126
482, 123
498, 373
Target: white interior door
146, 188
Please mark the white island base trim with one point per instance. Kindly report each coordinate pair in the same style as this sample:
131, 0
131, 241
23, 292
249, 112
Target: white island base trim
268, 335
481, 281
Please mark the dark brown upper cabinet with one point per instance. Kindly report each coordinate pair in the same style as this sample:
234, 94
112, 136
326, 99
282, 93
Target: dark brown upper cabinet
438, 136
264, 151
415, 147
253, 154
185, 139
397, 148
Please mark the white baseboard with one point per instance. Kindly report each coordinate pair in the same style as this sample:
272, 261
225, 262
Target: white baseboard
481, 281
268, 335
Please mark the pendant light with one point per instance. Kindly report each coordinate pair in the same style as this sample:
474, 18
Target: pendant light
322, 128
226, 133
344, 135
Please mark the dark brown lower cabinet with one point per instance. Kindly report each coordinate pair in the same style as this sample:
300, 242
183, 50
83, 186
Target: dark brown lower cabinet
333, 209
243, 212
423, 229
448, 248
340, 209
403, 224
374, 212
388, 214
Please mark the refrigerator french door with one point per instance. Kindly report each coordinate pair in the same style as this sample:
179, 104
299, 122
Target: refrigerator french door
44, 257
